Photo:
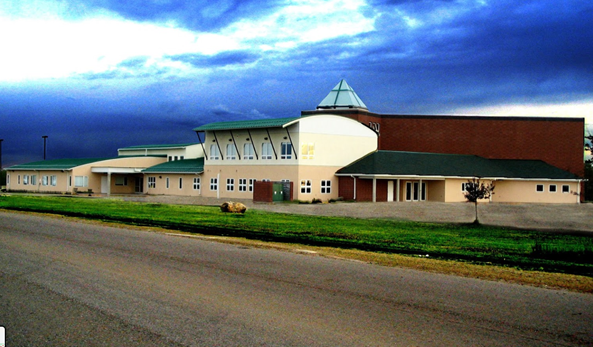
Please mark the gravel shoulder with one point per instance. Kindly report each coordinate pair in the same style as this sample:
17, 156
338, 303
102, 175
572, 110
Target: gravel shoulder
553, 217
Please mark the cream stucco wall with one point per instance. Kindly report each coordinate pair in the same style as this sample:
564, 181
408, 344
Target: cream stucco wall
18, 175
187, 184
525, 191
187, 152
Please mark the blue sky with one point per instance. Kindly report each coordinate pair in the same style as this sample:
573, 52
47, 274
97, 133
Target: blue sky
97, 75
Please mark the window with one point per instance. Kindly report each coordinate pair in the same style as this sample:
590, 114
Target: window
539, 188
151, 182
565, 188
552, 188
175, 158
180, 182
25, 179
197, 183
181, 157
214, 152
307, 150
326, 187
69, 181
306, 186
251, 182
286, 151
417, 192
121, 180
18, 179
170, 158
266, 150
231, 152
54, 180
81, 181
214, 183
230, 184
44, 180
242, 184
167, 183
33, 180
248, 151
7, 179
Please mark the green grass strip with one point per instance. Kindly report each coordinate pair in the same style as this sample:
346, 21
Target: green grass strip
524, 249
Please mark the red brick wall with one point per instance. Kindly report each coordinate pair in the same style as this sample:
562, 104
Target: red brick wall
557, 141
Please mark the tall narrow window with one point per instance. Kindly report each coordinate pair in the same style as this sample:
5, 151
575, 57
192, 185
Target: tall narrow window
214, 152
266, 150
286, 151
54, 180
248, 151
180, 182
25, 180
151, 181
45, 180
167, 183
231, 152
34, 180
251, 182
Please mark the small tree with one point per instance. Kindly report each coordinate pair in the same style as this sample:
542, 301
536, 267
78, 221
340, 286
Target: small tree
476, 190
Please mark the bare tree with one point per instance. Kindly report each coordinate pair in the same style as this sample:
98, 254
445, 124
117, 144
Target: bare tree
475, 190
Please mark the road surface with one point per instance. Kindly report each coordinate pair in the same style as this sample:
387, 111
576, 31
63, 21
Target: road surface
72, 283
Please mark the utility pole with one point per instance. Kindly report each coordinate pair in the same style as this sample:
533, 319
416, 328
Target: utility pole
44, 145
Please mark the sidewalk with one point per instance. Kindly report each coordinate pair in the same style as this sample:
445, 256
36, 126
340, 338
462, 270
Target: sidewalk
553, 217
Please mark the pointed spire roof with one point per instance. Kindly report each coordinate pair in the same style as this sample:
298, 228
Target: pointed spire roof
342, 96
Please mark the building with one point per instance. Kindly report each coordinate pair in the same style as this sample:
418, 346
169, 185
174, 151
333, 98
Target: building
339, 150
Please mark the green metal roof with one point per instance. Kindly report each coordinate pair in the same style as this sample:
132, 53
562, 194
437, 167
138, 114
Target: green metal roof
247, 124
157, 146
342, 96
451, 165
178, 166
57, 164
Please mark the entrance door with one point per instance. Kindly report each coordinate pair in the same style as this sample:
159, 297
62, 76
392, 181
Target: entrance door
104, 185
414, 191
139, 183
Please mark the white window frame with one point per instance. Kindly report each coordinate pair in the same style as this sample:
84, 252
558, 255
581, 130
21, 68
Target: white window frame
539, 188
565, 189
251, 183
53, 180
214, 184
151, 182
286, 150
25, 180
552, 188
18, 179
326, 186
242, 184
231, 152
81, 181
230, 184
306, 186
180, 182
33, 180
214, 152
248, 152
266, 151
7, 178
167, 183
197, 183
45, 180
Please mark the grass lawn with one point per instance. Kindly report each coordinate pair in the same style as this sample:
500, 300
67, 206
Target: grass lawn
521, 249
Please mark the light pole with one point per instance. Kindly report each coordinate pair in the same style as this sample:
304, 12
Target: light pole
44, 145
1, 154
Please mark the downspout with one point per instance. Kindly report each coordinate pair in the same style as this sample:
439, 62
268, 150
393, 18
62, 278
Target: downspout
218, 185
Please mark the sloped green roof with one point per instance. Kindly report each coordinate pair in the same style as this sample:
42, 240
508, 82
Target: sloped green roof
57, 164
451, 165
158, 146
178, 166
246, 124
342, 96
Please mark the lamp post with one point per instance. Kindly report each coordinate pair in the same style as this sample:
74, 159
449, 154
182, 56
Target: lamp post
44, 145
1, 154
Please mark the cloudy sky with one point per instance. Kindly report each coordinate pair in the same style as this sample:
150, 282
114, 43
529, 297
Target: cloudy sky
97, 75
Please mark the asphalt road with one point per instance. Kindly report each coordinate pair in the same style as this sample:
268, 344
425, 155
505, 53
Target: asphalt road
76, 284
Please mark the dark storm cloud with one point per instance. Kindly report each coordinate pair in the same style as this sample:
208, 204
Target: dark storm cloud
201, 15
217, 60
